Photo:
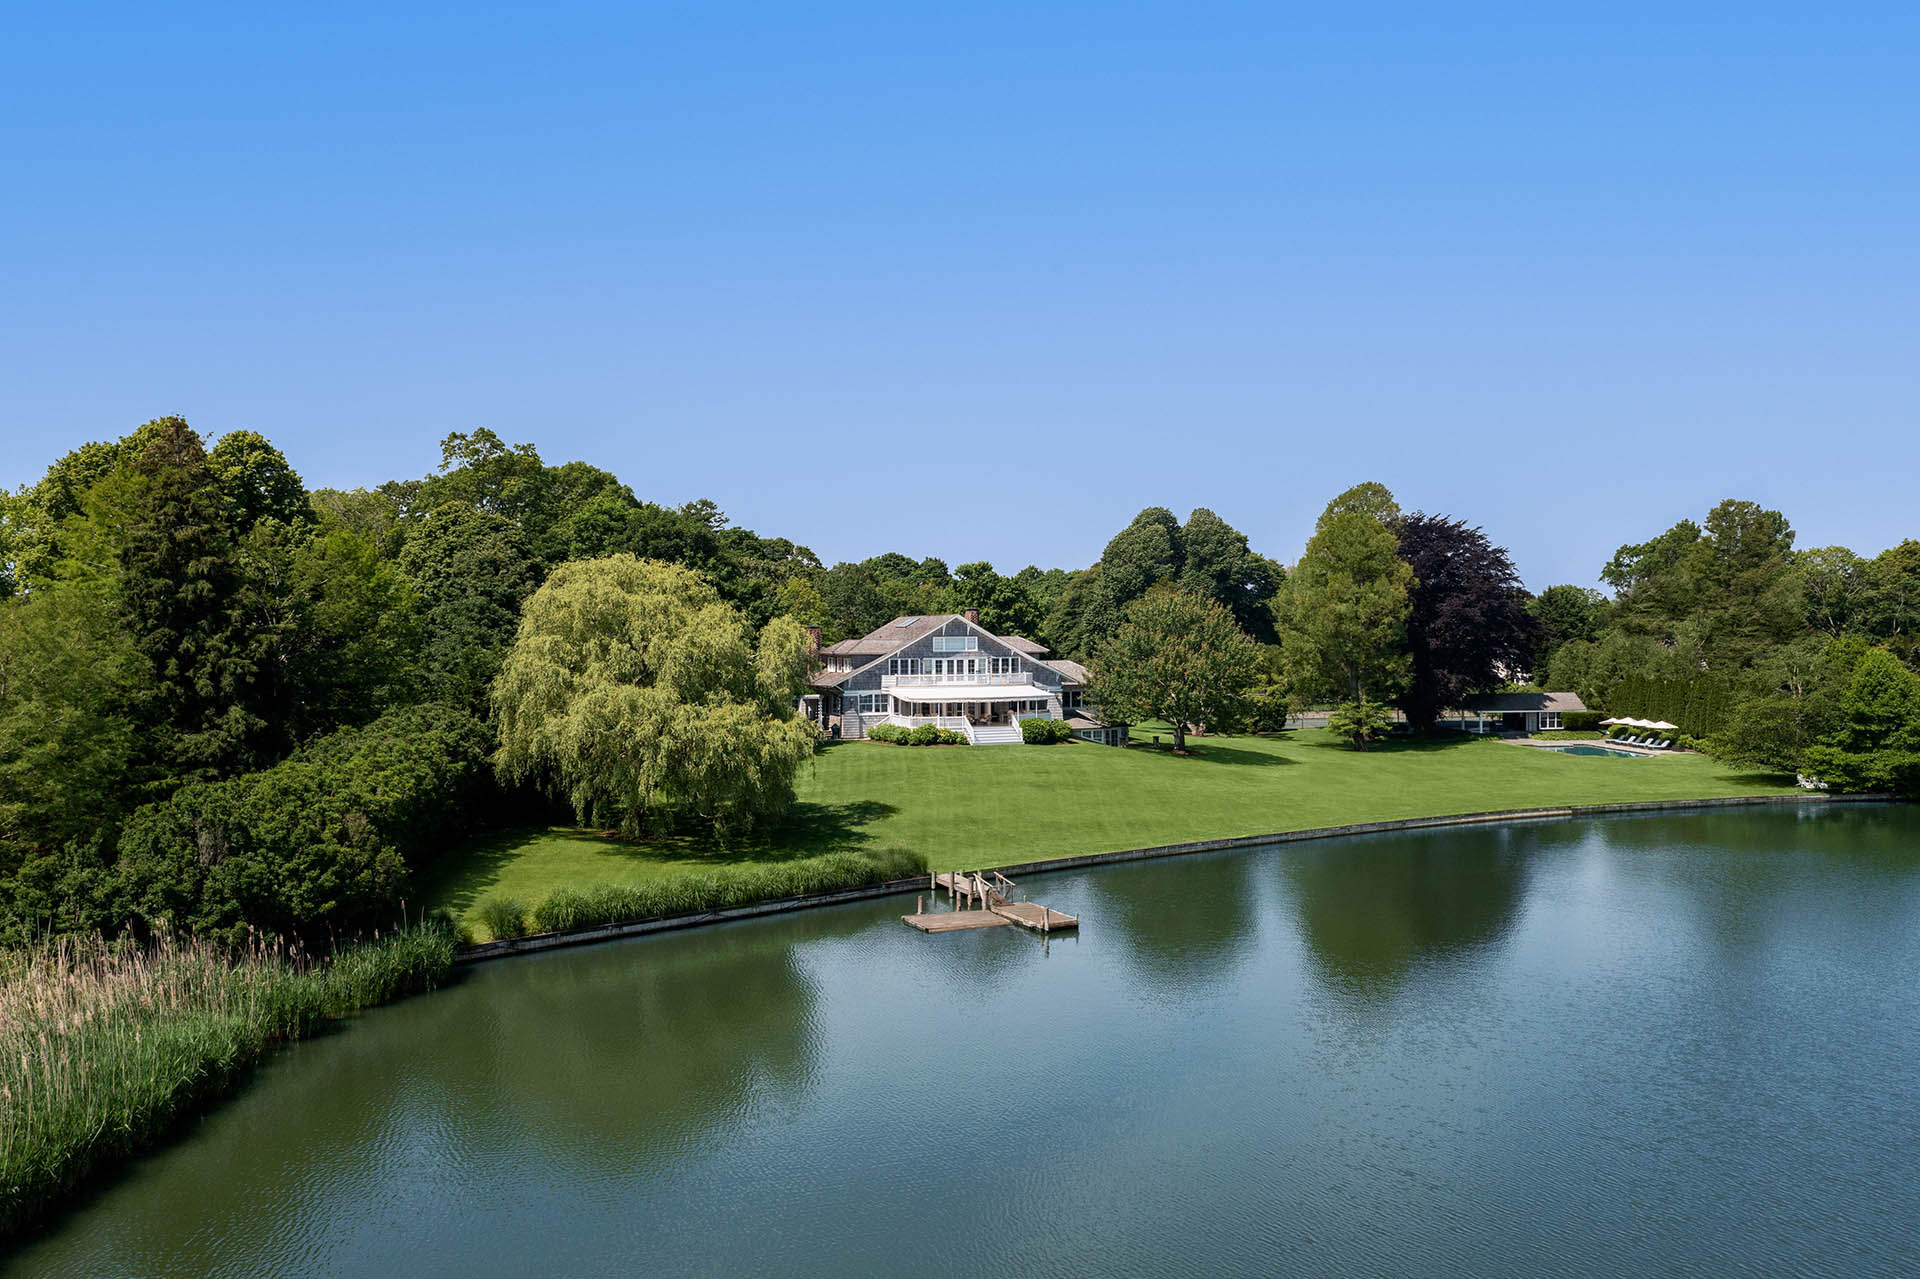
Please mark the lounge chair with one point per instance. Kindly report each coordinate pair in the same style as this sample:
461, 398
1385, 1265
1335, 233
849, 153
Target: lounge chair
1663, 743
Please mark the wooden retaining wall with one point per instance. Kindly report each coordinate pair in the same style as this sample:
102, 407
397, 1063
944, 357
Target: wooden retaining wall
780, 906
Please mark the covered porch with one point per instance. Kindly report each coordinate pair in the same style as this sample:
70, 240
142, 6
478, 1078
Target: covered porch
978, 704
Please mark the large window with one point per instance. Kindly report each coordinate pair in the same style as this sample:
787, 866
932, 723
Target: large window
873, 703
1003, 665
955, 643
1549, 719
903, 666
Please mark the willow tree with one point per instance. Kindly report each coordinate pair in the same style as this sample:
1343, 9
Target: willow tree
633, 691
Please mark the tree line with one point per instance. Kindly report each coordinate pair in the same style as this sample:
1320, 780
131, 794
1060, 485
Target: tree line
229, 701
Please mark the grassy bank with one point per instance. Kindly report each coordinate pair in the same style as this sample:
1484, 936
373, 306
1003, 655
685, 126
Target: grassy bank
104, 1048
988, 806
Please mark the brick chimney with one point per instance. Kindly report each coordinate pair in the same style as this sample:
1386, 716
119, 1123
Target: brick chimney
813, 640
973, 615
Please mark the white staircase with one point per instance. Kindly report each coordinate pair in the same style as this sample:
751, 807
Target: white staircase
997, 735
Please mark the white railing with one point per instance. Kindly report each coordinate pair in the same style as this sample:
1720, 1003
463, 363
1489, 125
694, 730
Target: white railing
952, 723
978, 677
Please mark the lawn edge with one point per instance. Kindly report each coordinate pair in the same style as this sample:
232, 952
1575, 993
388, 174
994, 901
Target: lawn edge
595, 933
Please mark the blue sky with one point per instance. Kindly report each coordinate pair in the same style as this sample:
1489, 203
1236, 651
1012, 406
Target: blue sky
982, 281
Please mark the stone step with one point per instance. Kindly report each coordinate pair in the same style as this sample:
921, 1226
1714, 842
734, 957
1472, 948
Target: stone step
996, 735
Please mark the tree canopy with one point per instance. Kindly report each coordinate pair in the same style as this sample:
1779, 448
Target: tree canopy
635, 692
1180, 657
1343, 613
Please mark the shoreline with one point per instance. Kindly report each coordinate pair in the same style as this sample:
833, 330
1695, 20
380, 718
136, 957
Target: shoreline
593, 934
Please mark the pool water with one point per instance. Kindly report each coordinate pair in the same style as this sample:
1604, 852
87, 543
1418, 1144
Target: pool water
1591, 750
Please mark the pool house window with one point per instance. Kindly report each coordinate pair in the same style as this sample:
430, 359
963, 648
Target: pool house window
1549, 719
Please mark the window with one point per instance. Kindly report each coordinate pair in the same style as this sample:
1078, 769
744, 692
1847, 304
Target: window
903, 666
1003, 665
873, 703
1071, 698
1549, 719
955, 643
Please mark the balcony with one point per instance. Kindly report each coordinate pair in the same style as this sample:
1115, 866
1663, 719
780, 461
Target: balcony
975, 680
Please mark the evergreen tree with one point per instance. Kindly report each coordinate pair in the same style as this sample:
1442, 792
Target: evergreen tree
1343, 613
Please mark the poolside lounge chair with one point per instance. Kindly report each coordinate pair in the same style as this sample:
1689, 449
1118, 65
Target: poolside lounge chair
1663, 743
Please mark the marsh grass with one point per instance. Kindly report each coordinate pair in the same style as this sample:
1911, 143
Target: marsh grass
711, 890
105, 1046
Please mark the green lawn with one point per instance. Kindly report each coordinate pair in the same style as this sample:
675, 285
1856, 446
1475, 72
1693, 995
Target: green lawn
987, 806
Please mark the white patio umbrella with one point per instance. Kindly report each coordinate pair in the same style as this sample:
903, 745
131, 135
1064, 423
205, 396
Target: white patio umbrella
1611, 720
1662, 724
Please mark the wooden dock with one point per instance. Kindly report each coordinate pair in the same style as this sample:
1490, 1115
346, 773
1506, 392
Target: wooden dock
989, 899
954, 921
1042, 919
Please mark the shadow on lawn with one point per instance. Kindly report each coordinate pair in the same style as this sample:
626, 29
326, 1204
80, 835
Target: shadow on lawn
809, 830
1211, 750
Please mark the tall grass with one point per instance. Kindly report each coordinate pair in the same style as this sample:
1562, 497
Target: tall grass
705, 890
105, 1046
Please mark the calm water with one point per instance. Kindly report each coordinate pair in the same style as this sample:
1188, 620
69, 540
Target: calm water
1626, 1047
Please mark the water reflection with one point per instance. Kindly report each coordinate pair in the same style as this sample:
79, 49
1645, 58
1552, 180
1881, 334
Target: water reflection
1373, 909
1184, 923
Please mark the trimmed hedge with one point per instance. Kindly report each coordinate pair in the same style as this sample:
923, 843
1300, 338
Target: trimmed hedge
1582, 720
711, 890
1045, 732
924, 735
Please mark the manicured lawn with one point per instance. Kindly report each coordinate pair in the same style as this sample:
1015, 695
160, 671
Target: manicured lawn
986, 806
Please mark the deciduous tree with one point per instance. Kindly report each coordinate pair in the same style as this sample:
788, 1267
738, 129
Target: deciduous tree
1467, 621
634, 692
1178, 657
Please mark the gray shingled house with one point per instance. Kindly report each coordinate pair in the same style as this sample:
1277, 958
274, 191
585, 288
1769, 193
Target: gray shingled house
950, 671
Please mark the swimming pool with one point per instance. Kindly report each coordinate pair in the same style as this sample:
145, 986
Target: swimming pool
1584, 749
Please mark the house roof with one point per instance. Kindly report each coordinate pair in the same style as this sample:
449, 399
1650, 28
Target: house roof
1506, 703
1024, 644
1071, 671
898, 632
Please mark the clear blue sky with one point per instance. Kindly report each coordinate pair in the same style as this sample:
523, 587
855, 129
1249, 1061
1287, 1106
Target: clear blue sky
981, 281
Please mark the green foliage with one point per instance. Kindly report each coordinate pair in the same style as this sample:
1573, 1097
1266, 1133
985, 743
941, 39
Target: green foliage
503, 917
633, 692
324, 840
1343, 613
1582, 721
105, 1048
1875, 741
1360, 722
471, 571
1178, 657
1698, 704
1565, 614
720, 889
1045, 732
919, 735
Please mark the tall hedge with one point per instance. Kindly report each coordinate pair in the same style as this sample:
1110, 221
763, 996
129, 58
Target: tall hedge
325, 840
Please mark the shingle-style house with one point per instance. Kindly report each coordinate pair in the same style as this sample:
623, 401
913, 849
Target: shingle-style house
950, 671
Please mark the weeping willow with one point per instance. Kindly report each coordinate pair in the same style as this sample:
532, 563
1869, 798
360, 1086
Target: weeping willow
641, 698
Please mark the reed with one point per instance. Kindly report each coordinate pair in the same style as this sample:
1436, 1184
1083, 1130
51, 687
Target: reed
105, 1046
718, 889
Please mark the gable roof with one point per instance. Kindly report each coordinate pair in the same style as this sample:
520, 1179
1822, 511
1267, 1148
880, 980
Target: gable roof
1504, 703
898, 633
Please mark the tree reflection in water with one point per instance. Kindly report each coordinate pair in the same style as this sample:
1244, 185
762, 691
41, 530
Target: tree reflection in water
1375, 907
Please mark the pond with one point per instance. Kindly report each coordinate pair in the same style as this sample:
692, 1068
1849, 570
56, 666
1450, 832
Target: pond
1673, 1044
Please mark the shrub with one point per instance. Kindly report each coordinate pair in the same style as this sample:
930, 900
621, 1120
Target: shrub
925, 735
1582, 721
504, 917
718, 889
1360, 722
324, 840
950, 738
888, 733
1045, 732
